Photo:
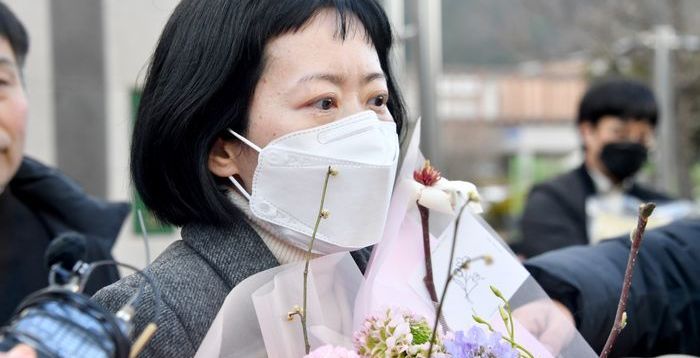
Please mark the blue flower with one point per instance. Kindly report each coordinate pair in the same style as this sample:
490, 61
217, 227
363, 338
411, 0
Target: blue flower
477, 344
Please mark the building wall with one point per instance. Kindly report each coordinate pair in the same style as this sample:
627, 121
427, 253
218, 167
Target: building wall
80, 108
545, 99
489, 116
511, 95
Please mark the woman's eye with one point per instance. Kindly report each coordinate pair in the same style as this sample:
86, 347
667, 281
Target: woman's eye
325, 104
378, 101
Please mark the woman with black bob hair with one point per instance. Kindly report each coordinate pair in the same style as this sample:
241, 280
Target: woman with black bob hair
246, 105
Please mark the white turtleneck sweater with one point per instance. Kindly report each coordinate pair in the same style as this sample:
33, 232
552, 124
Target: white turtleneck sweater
283, 251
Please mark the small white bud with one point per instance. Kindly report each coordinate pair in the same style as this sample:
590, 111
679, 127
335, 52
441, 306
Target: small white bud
623, 324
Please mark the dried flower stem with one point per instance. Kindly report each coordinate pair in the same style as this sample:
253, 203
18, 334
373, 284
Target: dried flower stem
645, 211
438, 312
321, 214
428, 279
450, 275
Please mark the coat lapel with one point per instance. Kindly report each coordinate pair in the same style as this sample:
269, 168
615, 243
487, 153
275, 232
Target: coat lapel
235, 251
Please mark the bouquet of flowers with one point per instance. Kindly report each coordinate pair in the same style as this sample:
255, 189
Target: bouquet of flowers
439, 284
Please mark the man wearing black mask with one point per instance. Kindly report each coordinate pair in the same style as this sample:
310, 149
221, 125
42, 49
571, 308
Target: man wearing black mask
616, 121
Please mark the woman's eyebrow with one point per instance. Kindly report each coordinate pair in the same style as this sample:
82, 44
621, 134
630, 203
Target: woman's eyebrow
327, 77
374, 76
338, 79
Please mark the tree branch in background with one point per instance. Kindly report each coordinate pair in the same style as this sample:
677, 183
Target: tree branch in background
645, 211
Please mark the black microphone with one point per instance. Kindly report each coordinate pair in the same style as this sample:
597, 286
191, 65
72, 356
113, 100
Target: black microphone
60, 321
67, 249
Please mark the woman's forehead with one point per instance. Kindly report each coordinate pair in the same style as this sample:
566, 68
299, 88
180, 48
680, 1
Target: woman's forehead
342, 25
325, 29
318, 47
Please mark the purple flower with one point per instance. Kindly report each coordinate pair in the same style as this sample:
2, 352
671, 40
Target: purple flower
476, 343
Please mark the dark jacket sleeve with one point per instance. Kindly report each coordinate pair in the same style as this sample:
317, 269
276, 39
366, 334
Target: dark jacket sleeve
664, 304
548, 224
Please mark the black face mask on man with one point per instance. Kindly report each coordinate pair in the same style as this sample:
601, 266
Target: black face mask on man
623, 160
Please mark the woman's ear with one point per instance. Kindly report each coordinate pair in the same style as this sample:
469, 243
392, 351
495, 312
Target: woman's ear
223, 158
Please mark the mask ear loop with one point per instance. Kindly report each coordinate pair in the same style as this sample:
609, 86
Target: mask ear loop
239, 187
244, 140
250, 144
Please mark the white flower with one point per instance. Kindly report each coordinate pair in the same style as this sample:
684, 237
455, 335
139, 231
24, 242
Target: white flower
436, 193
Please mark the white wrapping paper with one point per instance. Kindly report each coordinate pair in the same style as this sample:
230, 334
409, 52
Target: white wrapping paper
253, 319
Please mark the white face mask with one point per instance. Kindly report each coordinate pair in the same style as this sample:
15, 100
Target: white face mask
288, 182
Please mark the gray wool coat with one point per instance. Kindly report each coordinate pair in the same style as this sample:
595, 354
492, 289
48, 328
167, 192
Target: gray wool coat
195, 275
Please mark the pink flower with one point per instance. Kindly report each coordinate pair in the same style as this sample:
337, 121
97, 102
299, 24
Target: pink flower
329, 351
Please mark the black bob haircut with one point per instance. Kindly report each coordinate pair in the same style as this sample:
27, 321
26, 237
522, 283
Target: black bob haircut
14, 32
623, 98
200, 82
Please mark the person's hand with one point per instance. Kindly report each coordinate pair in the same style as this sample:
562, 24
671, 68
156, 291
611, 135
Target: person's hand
549, 321
20, 351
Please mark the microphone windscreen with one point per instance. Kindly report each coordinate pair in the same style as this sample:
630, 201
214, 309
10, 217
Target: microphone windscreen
66, 249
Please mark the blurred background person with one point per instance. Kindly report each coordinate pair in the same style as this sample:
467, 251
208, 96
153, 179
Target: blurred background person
616, 122
38, 203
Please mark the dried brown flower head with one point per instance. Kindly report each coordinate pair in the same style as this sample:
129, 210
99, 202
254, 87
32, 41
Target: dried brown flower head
428, 175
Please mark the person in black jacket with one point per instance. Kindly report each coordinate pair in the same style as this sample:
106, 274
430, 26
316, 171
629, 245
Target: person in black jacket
38, 203
663, 310
616, 121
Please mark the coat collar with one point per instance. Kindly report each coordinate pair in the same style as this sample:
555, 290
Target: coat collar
234, 251
63, 205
